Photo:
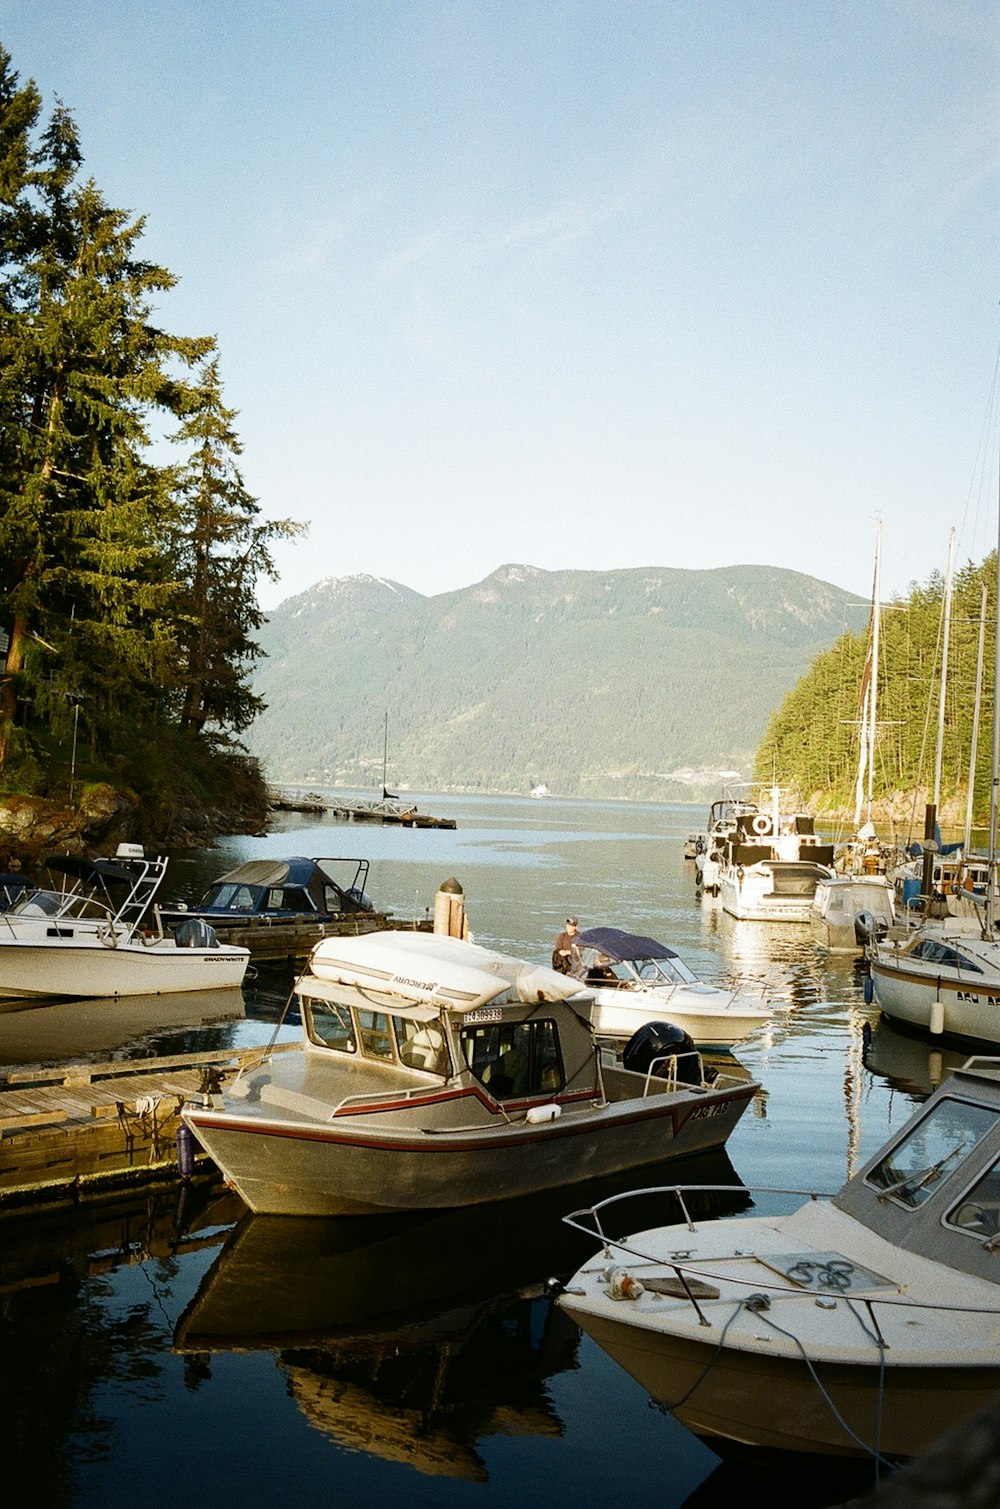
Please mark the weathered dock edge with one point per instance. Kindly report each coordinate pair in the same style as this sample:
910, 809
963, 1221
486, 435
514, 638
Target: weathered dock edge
87, 1126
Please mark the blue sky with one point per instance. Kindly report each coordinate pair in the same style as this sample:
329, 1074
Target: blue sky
575, 283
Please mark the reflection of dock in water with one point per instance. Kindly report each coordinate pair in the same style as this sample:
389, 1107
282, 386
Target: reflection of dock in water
413, 1338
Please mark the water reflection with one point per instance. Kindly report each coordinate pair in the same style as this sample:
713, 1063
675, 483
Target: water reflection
910, 1062
59, 1030
415, 1338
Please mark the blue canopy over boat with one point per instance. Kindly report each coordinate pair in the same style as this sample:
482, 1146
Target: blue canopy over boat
621, 946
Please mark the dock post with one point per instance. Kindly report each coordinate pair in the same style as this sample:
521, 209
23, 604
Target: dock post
449, 910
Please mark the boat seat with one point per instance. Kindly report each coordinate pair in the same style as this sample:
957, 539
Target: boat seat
424, 1050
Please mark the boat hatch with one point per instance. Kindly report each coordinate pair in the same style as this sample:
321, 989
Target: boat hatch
825, 1272
912, 1170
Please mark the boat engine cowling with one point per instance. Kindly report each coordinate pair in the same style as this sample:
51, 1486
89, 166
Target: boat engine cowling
868, 928
662, 1041
195, 932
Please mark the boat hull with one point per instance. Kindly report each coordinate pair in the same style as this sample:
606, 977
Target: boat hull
353, 1166
964, 1007
775, 1403
79, 968
618, 1014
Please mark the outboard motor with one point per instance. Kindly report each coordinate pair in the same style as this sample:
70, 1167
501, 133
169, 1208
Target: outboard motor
662, 1040
195, 932
868, 928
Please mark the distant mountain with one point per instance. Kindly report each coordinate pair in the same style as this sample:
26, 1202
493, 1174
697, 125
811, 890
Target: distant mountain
642, 683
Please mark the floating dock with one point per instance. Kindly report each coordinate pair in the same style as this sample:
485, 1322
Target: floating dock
90, 1125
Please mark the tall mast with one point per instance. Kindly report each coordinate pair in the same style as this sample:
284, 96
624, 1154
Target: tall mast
863, 794
944, 673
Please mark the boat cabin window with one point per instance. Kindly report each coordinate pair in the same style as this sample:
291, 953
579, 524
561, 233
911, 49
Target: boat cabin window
978, 1211
912, 1171
330, 1025
515, 1059
376, 1034
937, 952
421, 1045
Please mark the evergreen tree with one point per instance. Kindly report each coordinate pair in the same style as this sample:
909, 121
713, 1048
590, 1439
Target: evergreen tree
221, 545
84, 565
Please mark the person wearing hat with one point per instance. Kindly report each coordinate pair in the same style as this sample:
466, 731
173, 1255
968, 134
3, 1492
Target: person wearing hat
562, 954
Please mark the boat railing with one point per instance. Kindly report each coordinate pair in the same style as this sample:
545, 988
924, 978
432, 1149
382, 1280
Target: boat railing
597, 1213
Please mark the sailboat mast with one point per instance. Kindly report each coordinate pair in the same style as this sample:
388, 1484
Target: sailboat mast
944, 673
864, 786
974, 747
995, 751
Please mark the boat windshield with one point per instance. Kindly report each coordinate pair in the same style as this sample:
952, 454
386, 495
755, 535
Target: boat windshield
978, 1211
232, 898
935, 951
912, 1171
663, 972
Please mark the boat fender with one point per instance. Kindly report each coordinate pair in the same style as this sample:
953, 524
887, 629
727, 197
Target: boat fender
622, 1284
185, 1151
538, 1115
869, 991
762, 824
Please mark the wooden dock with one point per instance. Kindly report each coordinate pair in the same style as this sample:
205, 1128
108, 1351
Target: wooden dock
295, 940
91, 1125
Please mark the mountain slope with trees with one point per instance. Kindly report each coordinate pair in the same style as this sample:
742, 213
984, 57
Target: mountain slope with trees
605, 684
812, 740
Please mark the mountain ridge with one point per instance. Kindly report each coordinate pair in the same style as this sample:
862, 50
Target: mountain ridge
598, 683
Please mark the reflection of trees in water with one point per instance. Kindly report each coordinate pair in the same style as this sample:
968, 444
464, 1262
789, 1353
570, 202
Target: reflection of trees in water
426, 1401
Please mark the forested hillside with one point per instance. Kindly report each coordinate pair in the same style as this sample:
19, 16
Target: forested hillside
596, 683
812, 741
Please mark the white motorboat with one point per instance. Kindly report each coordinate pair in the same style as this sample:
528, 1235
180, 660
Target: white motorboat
436, 1073
99, 935
633, 980
847, 911
770, 861
865, 1323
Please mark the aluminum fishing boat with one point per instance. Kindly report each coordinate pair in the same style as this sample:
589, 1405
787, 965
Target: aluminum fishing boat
436, 1073
97, 934
634, 979
865, 1323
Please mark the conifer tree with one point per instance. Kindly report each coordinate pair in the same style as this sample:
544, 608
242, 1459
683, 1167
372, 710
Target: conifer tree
221, 545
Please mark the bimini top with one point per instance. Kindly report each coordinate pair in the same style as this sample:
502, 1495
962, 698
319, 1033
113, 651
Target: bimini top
621, 947
430, 967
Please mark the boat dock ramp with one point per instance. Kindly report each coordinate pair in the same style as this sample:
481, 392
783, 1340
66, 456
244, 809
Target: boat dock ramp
84, 1126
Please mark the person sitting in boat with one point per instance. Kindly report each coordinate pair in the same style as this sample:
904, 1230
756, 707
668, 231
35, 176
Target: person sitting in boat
562, 954
601, 973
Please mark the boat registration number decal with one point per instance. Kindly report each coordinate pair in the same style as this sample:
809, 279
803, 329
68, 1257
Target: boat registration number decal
974, 999
486, 1014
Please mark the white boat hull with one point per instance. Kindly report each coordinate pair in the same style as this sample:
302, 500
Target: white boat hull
751, 899
81, 967
710, 1017
911, 992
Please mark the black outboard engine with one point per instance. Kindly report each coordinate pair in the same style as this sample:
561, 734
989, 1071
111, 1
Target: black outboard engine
662, 1041
195, 932
868, 928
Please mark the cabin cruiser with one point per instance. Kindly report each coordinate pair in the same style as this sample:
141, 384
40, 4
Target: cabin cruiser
281, 890
96, 933
436, 1073
865, 1323
633, 979
771, 861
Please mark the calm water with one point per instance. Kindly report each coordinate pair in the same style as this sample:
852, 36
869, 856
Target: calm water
164, 1350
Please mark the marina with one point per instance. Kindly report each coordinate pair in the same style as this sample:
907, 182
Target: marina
425, 1356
